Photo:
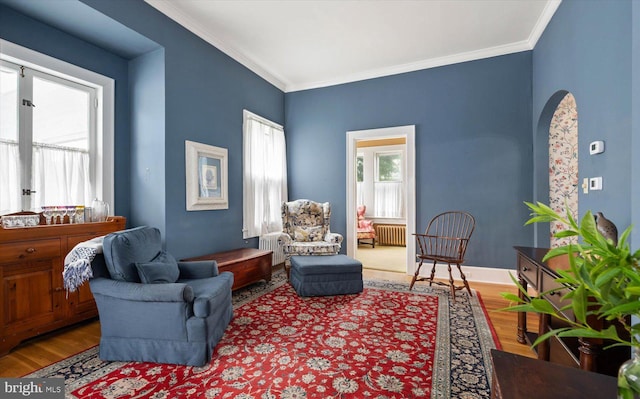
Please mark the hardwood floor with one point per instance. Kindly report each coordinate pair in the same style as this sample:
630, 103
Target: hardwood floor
50, 348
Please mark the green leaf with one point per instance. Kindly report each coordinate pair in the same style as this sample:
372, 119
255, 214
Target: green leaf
542, 306
579, 304
566, 233
511, 297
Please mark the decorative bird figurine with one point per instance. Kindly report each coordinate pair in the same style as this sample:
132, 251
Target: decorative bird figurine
606, 227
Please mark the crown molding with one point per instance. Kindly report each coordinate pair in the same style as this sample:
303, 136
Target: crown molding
416, 66
170, 10
176, 14
545, 17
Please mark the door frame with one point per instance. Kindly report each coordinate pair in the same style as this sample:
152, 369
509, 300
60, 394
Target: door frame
408, 133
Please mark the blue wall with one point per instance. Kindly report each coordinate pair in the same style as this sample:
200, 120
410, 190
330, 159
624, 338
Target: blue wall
205, 93
147, 99
586, 50
473, 145
635, 122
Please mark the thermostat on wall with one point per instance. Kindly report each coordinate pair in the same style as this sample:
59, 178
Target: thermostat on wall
596, 147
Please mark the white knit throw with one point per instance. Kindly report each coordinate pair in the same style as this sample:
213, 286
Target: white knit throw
77, 263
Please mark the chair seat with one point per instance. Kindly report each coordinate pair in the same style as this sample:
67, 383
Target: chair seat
440, 258
311, 248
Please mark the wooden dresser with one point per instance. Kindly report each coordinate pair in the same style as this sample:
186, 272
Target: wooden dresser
31, 263
587, 354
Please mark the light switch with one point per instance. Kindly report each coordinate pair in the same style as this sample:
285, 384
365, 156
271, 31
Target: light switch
595, 183
585, 185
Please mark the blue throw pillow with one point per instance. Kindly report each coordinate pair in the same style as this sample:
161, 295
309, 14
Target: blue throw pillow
158, 272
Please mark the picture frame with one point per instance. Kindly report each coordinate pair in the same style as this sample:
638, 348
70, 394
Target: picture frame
206, 169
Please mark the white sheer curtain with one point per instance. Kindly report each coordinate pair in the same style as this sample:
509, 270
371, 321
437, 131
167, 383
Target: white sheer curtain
9, 178
360, 193
265, 176
389, 199
60, 176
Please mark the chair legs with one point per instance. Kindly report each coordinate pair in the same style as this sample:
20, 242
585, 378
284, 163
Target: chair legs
451, 283
415, 276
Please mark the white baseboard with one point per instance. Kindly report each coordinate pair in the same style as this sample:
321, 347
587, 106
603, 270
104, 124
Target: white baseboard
473, 273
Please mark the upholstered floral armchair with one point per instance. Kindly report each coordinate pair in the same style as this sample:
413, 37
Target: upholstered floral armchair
306, 231
365, 229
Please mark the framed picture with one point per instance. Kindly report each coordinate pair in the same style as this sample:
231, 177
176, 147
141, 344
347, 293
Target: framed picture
207, 178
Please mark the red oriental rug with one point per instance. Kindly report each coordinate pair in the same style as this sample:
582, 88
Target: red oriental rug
386, 342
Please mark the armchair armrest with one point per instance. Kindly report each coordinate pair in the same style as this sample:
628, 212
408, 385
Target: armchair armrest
175, 292
284, 238
198, 269
334, 238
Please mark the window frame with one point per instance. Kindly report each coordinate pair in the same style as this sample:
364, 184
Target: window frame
377, 156
103, 161
247, 231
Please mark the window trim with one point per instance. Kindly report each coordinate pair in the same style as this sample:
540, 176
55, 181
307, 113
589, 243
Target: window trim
105, 90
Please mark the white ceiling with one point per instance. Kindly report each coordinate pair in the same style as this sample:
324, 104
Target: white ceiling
299, 45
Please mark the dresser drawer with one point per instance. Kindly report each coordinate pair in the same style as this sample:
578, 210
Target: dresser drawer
547, 282
528, 270
29, 250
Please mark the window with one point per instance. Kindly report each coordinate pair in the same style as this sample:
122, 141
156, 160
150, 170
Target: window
265, 175
360, 179
389, 167
56, 143
389, 186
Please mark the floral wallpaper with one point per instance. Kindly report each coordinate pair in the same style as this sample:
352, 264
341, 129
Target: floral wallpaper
563, 163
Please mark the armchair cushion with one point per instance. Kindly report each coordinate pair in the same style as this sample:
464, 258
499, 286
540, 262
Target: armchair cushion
308, 234
124, 248
157, 272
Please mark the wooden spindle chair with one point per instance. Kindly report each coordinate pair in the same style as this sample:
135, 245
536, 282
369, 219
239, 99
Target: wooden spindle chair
445, 241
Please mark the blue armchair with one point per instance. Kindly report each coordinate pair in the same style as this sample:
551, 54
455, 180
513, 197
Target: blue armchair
153, 308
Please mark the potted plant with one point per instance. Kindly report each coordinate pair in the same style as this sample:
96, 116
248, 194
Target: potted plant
604, 278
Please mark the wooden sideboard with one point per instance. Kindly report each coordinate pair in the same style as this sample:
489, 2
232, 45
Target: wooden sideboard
31, 264
587, 354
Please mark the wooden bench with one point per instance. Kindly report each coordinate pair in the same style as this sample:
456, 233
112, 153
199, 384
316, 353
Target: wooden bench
248, 265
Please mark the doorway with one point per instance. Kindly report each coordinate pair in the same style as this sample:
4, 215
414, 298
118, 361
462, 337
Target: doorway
407, 135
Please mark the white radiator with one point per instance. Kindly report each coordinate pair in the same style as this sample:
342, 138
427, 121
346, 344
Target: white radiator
269, 242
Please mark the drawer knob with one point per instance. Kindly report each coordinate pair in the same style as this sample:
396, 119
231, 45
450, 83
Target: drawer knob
524, 269
30, 250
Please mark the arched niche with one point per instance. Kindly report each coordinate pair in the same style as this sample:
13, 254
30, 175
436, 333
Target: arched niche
556, 161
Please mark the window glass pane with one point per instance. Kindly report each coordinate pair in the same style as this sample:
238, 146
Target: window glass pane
359, 168
9, 157
389, 167
60, 115
8, 104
